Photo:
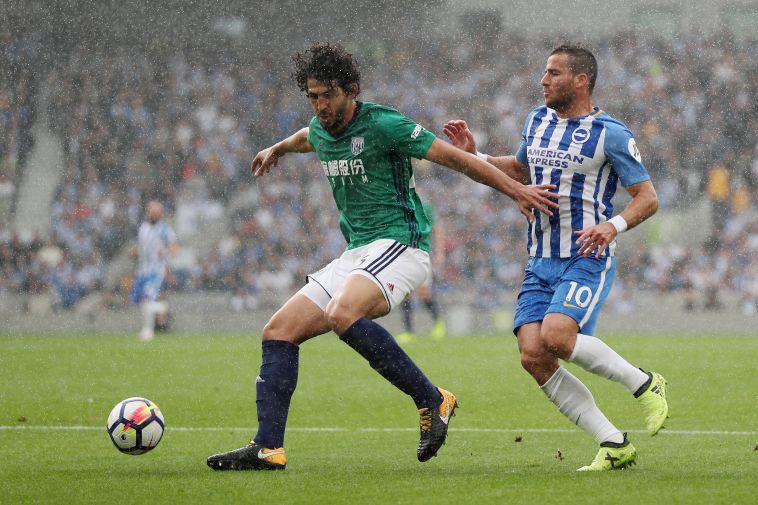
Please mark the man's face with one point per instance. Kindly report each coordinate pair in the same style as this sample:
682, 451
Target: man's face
154, 212
558, 82
330, 103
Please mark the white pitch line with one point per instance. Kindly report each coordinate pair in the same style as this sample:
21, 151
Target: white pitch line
373, 430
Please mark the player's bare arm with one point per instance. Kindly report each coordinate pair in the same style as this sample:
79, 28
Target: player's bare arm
511, 167
171, 250
527, 197
643, 205
269, 157
461, 137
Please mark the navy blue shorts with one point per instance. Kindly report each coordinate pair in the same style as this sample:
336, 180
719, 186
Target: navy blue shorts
575, 286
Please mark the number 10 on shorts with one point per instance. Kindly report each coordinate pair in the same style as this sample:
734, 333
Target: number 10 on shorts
579, 295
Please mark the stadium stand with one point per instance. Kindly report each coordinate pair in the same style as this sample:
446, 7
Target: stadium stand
183, 127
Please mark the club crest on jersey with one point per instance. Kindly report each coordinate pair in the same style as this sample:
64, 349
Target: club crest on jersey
357, 145
580, 135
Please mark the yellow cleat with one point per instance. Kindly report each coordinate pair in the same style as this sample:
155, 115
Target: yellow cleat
654, 404
434, 424
439, 331
405, 337
250, 457
612, 456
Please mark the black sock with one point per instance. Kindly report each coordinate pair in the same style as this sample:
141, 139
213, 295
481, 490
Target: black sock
386, 357
274, 387
431, 305
644, 386
407, 309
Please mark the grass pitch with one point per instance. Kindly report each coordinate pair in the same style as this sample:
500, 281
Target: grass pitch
353, 437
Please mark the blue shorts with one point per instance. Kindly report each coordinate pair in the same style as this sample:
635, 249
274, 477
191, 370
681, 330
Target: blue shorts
575, 286
147, 287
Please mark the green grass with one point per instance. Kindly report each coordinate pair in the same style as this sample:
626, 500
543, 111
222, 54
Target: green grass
208, 382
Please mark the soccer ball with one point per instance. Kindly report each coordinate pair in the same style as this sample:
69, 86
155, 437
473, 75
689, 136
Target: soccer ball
135, 425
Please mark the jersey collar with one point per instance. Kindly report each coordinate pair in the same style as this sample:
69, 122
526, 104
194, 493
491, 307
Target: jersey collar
596, 111
358, 106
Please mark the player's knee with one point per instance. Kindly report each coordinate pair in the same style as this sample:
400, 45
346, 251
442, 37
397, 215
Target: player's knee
555, 341
275, 329
339, 317
532, 359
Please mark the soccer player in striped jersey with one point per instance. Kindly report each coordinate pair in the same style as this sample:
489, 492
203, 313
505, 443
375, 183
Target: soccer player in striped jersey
585, 153
156, 241
365, 151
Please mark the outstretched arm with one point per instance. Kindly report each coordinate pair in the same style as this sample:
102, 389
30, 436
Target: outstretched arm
511, 167
527, 197
643, 205
461, 137
269, 157
172, 248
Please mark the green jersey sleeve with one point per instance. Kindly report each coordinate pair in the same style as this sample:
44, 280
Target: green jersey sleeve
314, 139
429, 211
403, 134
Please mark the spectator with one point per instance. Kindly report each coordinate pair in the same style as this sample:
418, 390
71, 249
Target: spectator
182, 128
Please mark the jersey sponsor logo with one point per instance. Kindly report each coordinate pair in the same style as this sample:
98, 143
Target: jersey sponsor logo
545, 157
632, 147
345, 172
580, 135
417, 131
343, 168
391, 287
356, 146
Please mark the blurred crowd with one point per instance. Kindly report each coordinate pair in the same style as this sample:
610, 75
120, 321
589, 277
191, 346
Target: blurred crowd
182, 128
17, 99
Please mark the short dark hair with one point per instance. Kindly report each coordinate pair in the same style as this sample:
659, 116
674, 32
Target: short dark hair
326, 63
581, 61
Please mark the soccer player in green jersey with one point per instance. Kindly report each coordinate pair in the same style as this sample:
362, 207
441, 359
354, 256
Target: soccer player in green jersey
365, 151
425, 293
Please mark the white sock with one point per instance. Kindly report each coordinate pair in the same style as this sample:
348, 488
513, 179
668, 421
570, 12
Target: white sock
149, 309
160, 308
595, 356
575, 401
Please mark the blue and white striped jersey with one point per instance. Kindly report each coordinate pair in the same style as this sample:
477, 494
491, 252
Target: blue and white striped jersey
585, 157
153, 241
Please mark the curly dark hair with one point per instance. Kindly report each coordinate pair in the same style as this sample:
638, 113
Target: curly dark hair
326, 63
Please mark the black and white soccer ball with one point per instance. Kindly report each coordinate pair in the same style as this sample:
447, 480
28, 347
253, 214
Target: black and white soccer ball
135, 425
